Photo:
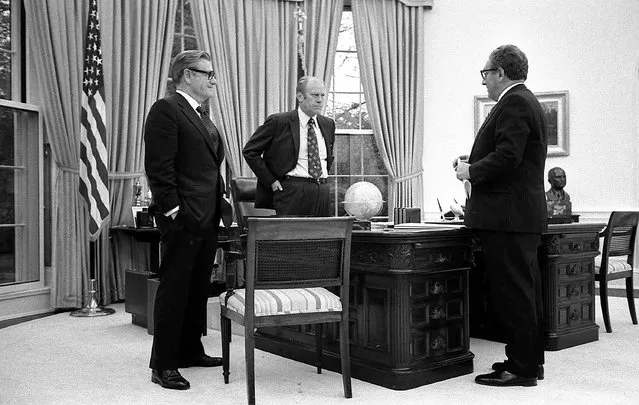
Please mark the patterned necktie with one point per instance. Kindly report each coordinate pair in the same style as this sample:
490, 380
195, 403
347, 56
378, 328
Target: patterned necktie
210, 127
314, 164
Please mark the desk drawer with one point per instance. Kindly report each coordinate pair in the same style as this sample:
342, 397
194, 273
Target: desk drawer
574, 314
575, 291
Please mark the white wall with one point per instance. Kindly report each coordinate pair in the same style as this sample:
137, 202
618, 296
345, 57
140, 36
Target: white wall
588, 47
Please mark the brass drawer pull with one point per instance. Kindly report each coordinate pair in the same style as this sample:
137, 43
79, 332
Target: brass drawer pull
441, 259
436, 288
575, 291
437, 313
576, 246
574, 316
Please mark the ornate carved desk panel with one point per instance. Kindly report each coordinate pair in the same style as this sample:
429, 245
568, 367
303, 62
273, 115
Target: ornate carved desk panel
566, 259
408, 311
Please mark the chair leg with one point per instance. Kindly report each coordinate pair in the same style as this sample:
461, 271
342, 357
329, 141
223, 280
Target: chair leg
630, 294
249, 353
225, 331
319, 330
603, 294
345, 354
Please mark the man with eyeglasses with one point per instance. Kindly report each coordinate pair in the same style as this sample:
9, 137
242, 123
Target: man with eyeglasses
291, 154
184, 153
507, 211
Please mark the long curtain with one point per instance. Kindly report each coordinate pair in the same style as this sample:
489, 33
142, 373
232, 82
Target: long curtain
55, 38
323, 19
254, 52
389, 35
137, 38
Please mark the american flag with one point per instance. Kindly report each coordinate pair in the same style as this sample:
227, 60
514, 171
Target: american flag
93, 154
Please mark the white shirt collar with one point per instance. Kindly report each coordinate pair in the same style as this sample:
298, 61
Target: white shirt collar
508, 88
190, 99
303, 117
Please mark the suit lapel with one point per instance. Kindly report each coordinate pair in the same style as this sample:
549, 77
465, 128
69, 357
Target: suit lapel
295, 131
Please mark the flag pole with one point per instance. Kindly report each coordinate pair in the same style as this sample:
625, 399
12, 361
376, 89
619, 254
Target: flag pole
93, 185
92, 308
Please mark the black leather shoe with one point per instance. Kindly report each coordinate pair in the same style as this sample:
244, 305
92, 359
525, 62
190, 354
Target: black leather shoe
171, 379
505, 379
501, 366
202, 361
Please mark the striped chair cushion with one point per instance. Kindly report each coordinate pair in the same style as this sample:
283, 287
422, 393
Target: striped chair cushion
285, 301
615, 264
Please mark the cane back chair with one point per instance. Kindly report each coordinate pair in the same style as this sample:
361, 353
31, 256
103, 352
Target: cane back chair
290, 263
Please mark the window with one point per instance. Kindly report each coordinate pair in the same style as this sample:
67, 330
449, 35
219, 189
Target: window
20, 164
20, 202
184, 36
356, 155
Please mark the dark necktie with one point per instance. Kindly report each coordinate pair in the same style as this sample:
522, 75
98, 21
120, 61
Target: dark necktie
314, 164
210, 127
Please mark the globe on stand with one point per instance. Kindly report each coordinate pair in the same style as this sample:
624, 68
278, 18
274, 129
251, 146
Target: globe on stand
363, 200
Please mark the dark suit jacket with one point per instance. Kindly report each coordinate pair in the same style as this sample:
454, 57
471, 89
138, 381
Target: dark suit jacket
181, 164
507, 167
273, 149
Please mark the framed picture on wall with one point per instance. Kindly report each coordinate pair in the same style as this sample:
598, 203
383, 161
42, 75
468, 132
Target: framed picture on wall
555, 106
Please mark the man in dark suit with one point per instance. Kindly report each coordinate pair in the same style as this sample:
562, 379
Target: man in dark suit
507, 210
184, 154
291, 154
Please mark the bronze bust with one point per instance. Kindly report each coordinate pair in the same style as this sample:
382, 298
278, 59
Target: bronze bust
557, 199
557, 180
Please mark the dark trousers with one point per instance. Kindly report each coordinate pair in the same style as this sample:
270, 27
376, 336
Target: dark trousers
180, 303
302, 197
514, 279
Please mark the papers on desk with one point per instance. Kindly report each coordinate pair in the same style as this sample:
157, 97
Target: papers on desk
427, 226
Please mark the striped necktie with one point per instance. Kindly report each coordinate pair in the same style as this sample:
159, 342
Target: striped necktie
210, 127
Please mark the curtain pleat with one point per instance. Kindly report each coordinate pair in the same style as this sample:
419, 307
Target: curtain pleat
137, 38
254, 54
390, 41
55, 32
323, 19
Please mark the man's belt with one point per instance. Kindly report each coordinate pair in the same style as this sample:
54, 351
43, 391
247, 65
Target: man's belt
321, 180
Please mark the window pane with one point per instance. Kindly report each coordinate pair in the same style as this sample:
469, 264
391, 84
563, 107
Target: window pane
5, 75
345, 110
348, 154
190, 43
366, 119
5, 24
177, 46
346, 36
7, 138
7, 256
188, 19
178, 18
7, 197
347, 78
372, 160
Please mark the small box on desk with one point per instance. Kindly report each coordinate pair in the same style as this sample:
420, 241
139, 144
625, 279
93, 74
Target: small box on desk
408, 216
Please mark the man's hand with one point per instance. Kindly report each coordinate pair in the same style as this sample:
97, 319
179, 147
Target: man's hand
462, 158
462, 170
276, 186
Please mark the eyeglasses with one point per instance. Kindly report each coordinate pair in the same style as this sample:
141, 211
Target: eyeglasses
484, 72
211, 74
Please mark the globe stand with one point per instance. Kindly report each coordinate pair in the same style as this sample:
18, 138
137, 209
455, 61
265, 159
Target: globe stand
360, 225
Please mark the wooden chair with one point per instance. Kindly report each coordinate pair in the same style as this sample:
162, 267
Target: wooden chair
616, 259
290, 262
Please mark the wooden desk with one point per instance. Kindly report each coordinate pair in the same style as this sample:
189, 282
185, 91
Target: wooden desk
566, 260
408, 311
413, 304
